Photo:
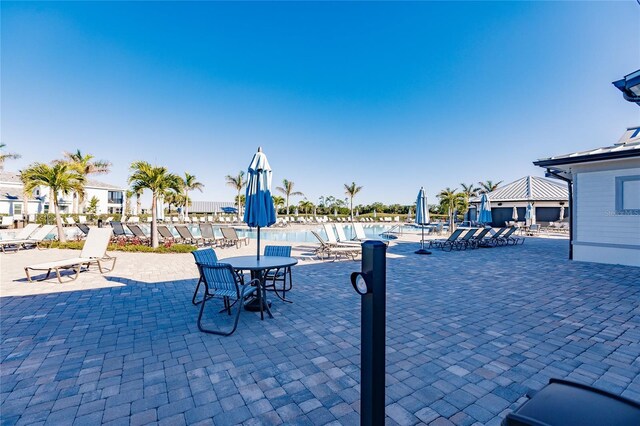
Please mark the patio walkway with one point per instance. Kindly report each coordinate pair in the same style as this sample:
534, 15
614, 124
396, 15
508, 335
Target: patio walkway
468, 334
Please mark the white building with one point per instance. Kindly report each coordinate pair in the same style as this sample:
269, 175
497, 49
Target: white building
549, 198
604, 193
110, 197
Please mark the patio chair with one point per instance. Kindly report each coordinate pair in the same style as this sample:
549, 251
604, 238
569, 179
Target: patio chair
94, 251
280, 274
493, 240
138, 232
7, 221
326, 249
202, 257
18, 239
34, 239
165, 233
208, 235
186, 235
118, 229
83, 228
333, 240
477, 239
449, 243
465, 242
221, 281
231, 238
70, 221
508, 239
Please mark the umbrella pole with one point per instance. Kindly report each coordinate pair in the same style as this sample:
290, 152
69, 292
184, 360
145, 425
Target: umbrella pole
258, 243
422, 241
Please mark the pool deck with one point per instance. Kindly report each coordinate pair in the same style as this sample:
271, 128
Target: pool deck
468, 333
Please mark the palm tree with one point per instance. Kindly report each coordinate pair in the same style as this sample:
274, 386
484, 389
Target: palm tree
159, 181
351, 191
278, 201
469, 190
450, 201
190, 184
127, 202
287, 190
305, 206
26, 194
59, 177
138, 195
86, 166
488, 186
6, 156
237, 182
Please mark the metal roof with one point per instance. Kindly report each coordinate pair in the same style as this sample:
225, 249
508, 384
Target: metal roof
209, 206
529, 188
628, 146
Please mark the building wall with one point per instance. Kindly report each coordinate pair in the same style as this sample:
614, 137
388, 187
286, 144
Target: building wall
601, 235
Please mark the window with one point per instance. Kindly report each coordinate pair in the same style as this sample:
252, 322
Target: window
17, 209
115, 197
628, 195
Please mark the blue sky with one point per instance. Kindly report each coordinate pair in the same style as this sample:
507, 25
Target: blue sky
393, 96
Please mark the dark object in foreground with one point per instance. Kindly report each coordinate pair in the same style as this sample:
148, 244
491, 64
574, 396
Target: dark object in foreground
567, 403
371, 284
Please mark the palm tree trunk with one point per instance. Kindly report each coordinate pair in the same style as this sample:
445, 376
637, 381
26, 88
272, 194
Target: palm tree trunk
186, 204
287, 205
351, 209
138, 206
61, 237
25, 206
154, 226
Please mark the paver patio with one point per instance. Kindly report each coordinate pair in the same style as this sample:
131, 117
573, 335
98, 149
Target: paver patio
468, 334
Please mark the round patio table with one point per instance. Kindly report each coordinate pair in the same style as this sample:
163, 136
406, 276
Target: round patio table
258, 269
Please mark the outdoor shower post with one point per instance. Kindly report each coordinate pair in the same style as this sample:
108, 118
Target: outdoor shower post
371, 284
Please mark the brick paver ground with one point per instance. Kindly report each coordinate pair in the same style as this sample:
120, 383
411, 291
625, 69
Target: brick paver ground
468, 334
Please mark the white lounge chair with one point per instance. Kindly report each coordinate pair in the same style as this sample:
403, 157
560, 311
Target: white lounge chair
94, 251
333, 240
326, 249
82, 219
70, 221
19, 238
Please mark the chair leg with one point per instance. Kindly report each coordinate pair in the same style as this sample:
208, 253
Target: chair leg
219, 333
195, 293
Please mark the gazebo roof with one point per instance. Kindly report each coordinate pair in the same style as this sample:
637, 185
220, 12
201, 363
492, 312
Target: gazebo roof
529, 188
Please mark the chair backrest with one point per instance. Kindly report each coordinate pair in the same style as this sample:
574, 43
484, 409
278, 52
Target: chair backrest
340, 232
134, 219
136, 231
331, 236
42, 233
70, 220
82, 219
109, 219
499, 232
229, 233
509, 232
118, 229
164, 231
25, 232
482, 233
359, 231
284, 251
174, 219
470, 234
319, 238
220, 277
455, 235
7, 220
95, 246
205, 256
206, 230
84, 228
184, 232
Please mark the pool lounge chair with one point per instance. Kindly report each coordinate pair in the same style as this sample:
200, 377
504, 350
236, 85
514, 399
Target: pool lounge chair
208, 235
118, 230
493, 240
138, 233
20, 237
83, 228
326, 250
186, 235
94, 251
70, 221
446, 244
230, 238
477, 239
333, 240
165, 233
466, 241
509, 239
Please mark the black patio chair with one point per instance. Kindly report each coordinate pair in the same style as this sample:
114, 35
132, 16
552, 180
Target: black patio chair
118, 230
221, 281
280, 274
83, 228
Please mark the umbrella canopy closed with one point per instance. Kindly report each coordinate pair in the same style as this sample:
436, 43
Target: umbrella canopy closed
422, 217
561, 212
529, 215
259, 210
514, 215
484, 213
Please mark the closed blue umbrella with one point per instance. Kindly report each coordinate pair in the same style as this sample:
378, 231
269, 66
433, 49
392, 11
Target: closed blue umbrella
484, 212
259, 210
528, 215
422, 217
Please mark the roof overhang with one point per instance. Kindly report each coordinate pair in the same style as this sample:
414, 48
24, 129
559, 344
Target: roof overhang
588, 158
630, 87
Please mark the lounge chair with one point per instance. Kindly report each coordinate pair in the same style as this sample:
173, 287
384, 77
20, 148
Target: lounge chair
83, 228
94, 251
208, 235
231, 238
493, 240
326, 250
165, 233
7, 221
508, 239
446, 244
82, 219
466, 241
342, 237
280, 274
477, 239
109, 219
20, 238
333, 240
138, 233
70, 221
220, 280
118, 230
186, 235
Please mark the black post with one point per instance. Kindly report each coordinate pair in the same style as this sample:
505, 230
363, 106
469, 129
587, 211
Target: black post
373, 312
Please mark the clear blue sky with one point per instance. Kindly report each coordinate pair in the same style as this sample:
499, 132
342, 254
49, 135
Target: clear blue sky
391, 96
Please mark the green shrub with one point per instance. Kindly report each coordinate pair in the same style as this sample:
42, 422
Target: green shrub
134, 248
